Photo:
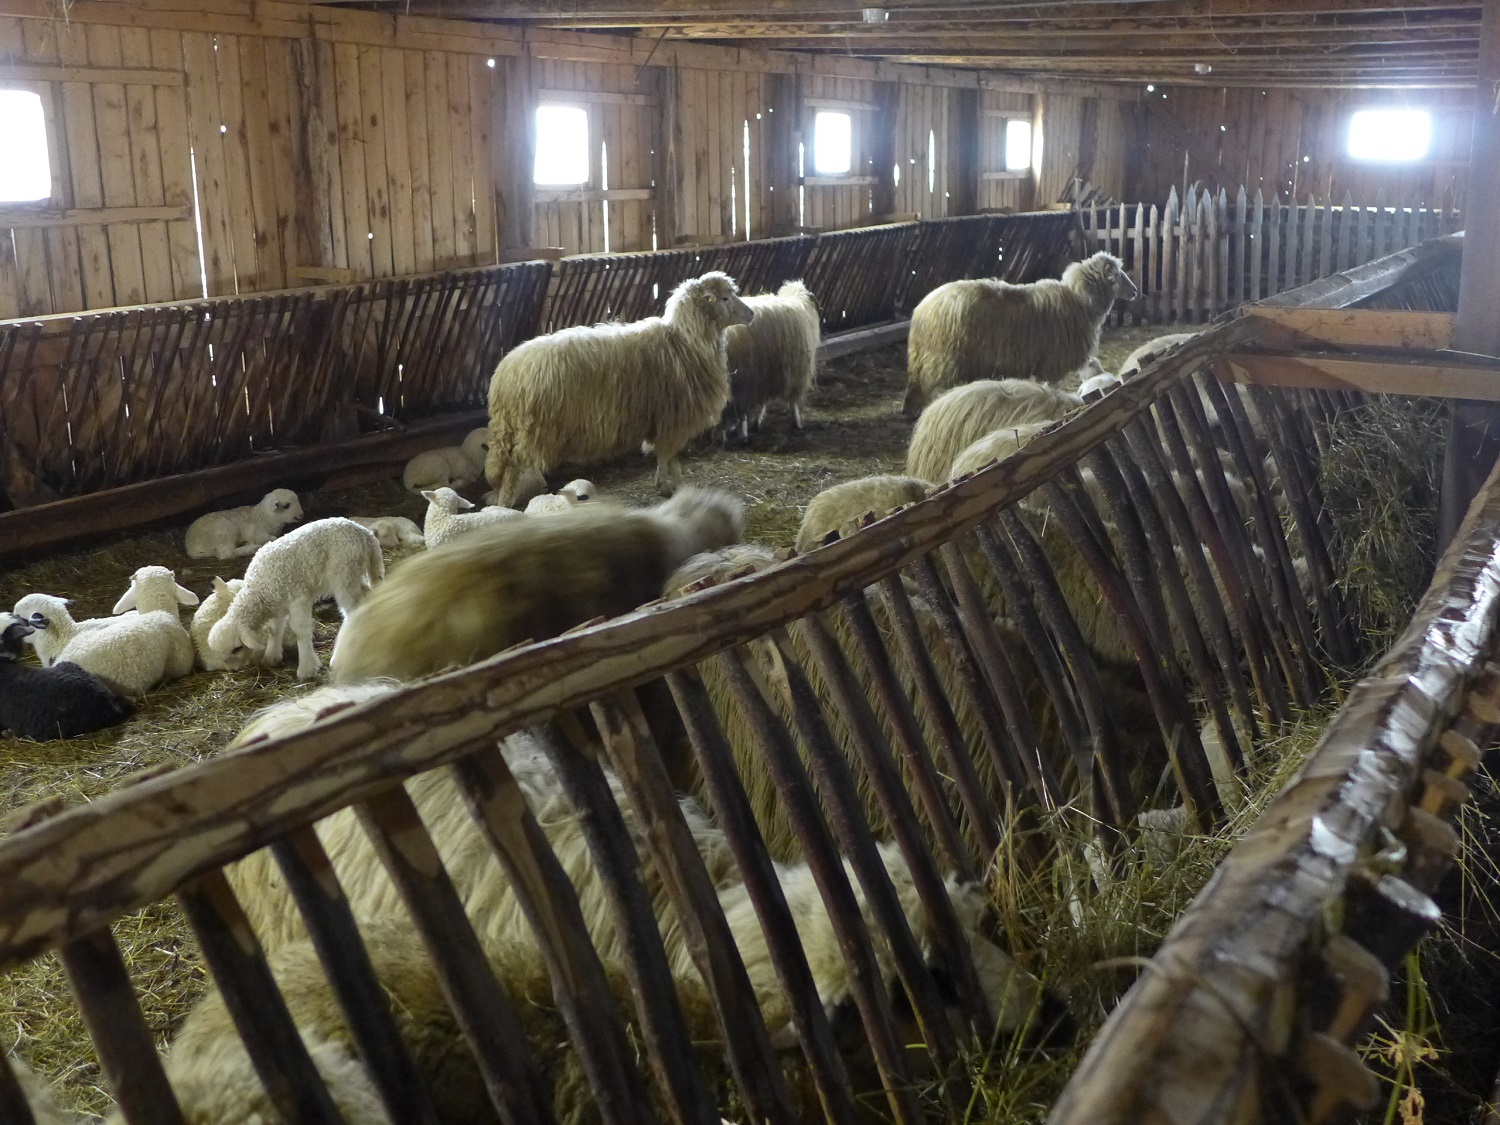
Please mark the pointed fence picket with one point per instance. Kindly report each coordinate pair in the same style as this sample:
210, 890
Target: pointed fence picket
1202, 252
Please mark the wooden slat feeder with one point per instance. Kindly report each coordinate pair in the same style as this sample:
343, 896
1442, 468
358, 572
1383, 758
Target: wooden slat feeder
886, 702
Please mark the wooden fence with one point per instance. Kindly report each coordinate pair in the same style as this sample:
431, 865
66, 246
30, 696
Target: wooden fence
1195, 258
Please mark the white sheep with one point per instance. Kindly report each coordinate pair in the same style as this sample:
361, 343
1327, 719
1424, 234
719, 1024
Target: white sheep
1158, 346
449, 516
393, 532
991, 329
578, 491
774, 358
452, 466
239, 531
331, 557
131, 654
836, 508
994, 446
155, 589
531, 578
208, 615
1097, 386
965, 414
589, 393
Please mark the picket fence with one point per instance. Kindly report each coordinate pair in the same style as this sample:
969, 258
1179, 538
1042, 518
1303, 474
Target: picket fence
1200, 255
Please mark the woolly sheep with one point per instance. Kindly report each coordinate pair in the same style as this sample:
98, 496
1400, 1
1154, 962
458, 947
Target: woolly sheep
131, 654
589, 393
449, 516
208, 615
239, 531
495, 587
331, 557
1150, 350
452, 466
991, 329
62, 701
155, 589
835, 508
965, 414
774, 358
1097, 386
392, 532
574, 492
995, 446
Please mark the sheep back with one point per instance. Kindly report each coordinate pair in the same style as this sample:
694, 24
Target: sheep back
965, 414
837, 507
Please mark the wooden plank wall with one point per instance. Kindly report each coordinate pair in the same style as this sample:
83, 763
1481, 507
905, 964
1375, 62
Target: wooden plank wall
722, 195
922, 143
851, 203
1292, 143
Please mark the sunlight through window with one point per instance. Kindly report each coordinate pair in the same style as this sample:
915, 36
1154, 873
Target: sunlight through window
562, 145
26, 172
1390, 134
833, 143
1017, 144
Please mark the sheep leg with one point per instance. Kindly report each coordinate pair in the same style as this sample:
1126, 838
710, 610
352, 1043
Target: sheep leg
668, 472
301, 625
796, 415
760, 419
275, 641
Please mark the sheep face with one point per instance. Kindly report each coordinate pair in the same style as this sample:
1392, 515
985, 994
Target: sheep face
13, 637
235, 641
577, 491
712, 519
1102, 275
40, 610
476, 445
281, 507
159, 573
717, 296
447, 500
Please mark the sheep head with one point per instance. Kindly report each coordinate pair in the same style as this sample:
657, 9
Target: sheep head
1102, 278
476, 445
280, 507
708, 518
577, 491
153, 575
42, 610
447, 500
12, 638
716, 297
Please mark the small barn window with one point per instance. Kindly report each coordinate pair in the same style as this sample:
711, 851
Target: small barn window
26, 171
1393, 135
562, 145
1017, 144
833, 143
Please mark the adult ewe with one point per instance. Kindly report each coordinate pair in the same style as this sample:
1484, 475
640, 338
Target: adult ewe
586, 394
774, 358
836, 508
991, 329
966, 414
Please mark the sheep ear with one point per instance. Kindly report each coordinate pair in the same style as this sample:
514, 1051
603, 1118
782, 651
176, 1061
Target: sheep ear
186, 596
221, 587
429, 494
247, 639
127, 601
465, 505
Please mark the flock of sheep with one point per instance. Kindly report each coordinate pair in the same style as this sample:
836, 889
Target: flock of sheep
531, 566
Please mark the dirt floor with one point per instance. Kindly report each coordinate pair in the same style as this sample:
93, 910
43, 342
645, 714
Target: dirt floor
854, 427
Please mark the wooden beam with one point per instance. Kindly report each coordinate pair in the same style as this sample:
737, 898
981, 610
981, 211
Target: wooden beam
124, 76
599, 97
1371, 375
591, 195
1362, 328
20, 216
862, 339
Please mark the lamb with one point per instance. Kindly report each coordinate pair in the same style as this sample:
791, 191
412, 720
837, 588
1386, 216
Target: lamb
991, 329
331, 557
574, 492
774, 358
209, 612
964, 415
835, 508
1097, 386
1150, 350
131, 654
533, 579
239, 531
448, 516
452, 466
62, 701
392, 532
588, 393
155, 589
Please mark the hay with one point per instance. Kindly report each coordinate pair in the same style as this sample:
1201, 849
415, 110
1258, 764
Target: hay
1380, 481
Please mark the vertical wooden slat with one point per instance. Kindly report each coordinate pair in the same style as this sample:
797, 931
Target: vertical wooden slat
399, 174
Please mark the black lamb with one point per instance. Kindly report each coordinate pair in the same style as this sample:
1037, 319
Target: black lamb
62, 701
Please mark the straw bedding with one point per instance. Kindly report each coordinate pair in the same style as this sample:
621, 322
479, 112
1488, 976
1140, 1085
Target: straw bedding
853, 428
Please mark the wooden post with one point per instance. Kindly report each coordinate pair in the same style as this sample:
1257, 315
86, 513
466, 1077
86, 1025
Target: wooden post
883, 148
666, 157
514, 149
781, 163
1474, 427
964, 123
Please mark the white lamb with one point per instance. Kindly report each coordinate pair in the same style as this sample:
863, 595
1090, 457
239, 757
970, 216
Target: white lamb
574, 492
393, 532
131, 654
448, 516
452, 466
153, 589
333, 557
209, 613
239, 531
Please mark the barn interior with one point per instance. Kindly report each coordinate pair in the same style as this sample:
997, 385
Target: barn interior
1196, 685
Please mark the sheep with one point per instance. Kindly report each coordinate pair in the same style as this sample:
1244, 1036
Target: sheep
1097, 386
209, 612
574, 492
530, 580
131, 654
334, 557
1150, 350
995, 446
589, 393
393, 532
837, 507
773, 358
239, 531
155, 589
991, 329
62, 701
963, 415
448, 516
452, 466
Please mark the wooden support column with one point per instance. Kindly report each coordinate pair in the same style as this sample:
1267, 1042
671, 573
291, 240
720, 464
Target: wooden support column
883, 148
313, 144
781, 156
514, 148
666, 158
1474, 427
963, 151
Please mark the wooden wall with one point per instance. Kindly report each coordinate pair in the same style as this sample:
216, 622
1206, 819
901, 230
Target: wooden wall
268, 145
1292, 143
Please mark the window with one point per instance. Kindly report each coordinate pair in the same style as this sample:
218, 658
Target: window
562, 145
1390, 134
1017, 144
833, 143
26, 171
